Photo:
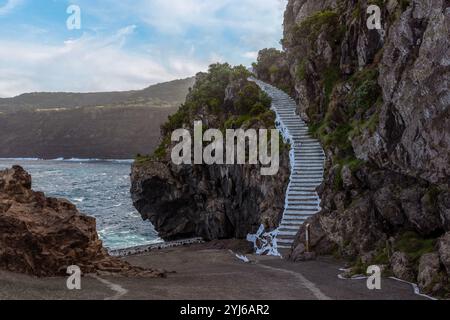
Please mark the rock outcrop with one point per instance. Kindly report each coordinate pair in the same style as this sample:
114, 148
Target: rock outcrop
379, 102
212, 201
43, 236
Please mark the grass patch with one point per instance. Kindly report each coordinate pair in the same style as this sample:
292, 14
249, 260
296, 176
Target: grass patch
301, 69
414, 245
330, 78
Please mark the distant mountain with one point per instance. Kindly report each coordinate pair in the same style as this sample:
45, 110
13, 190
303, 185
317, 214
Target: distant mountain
88, 125
162, 94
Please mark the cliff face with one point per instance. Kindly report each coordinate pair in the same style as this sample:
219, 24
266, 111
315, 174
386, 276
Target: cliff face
43, 236
217, 201
213, 202
379, 102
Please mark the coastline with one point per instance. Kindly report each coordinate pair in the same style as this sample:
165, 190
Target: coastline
136, 250
125, 161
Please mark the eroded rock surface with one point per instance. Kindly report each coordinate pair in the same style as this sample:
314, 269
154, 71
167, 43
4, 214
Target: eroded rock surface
43, 236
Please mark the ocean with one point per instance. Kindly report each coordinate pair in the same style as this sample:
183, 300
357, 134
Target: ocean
98, 188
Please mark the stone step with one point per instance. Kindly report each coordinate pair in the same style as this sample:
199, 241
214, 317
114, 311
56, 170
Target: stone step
296, 187
316, 177
306, 141
312, 203
307, 174
308, 158
291, 193
314, 150
296, 223
287, 233
297, 191
300, 209
300, 184
289, 213
302, 206
310, 163
307, 199
289, 227
312, 174
300, 137
308, 166
305, 167
308, 155
305, 181
309, 147
309, 170
298, 178
296, 217
281, 241
305, 206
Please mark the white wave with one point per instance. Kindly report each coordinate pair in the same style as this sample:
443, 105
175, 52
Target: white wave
130, 161
20, 159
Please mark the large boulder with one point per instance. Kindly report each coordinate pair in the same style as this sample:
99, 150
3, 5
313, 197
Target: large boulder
402, 266
430, 276
43, 236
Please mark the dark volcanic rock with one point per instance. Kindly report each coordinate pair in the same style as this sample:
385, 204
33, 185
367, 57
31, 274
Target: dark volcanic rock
214, 202
43, 236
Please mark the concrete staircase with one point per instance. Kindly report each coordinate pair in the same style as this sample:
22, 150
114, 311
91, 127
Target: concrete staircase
307, 165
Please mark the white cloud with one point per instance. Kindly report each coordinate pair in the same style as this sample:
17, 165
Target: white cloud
251, 55
9, 6
171, 39
86, 64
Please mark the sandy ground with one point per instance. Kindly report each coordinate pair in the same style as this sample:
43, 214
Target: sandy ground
203, 273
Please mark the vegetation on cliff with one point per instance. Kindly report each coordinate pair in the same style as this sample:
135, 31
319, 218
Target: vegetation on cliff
226, 99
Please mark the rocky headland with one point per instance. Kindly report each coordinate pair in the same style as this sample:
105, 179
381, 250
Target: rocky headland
43, 236
212, 201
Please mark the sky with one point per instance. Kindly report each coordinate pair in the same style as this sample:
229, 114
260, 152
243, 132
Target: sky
127, 44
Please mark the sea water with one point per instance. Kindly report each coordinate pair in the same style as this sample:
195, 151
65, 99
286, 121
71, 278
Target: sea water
98, 188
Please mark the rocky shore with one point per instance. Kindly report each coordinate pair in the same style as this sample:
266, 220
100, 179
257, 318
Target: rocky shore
42, 236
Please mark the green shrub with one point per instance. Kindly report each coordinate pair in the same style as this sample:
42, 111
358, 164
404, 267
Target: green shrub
331, 77
251, 105
311, 27
301, 69
414, 245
